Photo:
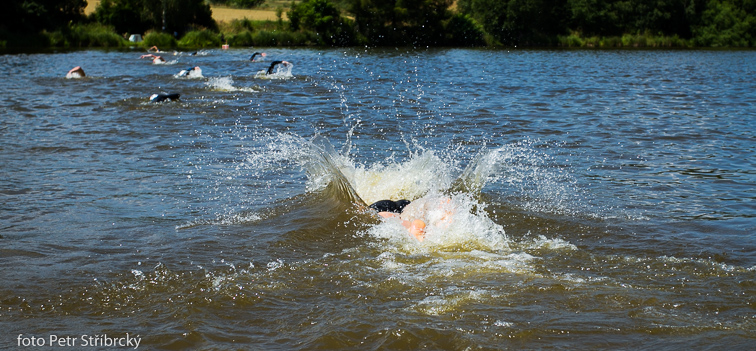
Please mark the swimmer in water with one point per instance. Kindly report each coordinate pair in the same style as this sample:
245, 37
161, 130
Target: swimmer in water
164, 97
274, 63
155, 48
393, 209
262, 54
76, 72
194, 72
415, 215
155, 58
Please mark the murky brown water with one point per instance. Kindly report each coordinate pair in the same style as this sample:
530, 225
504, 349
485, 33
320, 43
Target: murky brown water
603, 200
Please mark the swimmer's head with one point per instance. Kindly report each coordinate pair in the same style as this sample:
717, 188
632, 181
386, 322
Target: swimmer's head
402, 204
164, 97
390, 206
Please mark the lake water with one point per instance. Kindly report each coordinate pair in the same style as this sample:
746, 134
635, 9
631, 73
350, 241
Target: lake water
601, 200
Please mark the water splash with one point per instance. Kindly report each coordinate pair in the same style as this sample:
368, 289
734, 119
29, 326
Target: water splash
281, 72
466, 227
226, 84
191, 73
527, 176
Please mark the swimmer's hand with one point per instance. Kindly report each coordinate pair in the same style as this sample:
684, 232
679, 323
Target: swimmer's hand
416, 228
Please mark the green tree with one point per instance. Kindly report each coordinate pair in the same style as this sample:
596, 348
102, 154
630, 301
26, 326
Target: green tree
322, 17
463, 30
374, 20
32, 16
595, 17
126, 16
667, 17
516, 22
727, 23
185, 15
402, 22
138, 16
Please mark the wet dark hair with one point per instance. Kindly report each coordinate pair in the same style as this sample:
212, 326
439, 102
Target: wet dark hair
163, 97
390, 206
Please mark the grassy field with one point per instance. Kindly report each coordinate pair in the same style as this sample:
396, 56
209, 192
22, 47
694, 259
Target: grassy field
225, 14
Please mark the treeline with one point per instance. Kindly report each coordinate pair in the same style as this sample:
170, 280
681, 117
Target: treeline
701, 23
571, 23
34, 23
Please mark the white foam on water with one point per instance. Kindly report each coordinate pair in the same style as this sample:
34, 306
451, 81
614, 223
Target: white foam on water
74, 75
226, 84
421, 174
459, 223
281, 72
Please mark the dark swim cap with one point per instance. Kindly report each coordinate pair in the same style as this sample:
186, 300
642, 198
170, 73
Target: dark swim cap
389, 206
163, 97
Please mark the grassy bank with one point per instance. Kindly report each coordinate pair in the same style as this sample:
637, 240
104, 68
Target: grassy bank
644, 40
246, 32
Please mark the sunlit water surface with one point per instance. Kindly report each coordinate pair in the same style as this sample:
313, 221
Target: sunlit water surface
603, 199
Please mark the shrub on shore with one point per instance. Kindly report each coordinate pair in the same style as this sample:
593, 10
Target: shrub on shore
640, 40
247, 32
159, 39
86, 35
22, 40
200, 39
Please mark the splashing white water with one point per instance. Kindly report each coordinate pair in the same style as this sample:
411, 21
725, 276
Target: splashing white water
462, 222
192, 73
272, 161
226, 84
281, 72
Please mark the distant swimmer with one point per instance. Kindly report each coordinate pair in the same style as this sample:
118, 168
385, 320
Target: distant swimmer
274, 63
155, 58
153, 49
262, 54
164, 97
76, 72
190, 72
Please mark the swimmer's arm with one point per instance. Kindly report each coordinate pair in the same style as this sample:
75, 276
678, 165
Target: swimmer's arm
415, 227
